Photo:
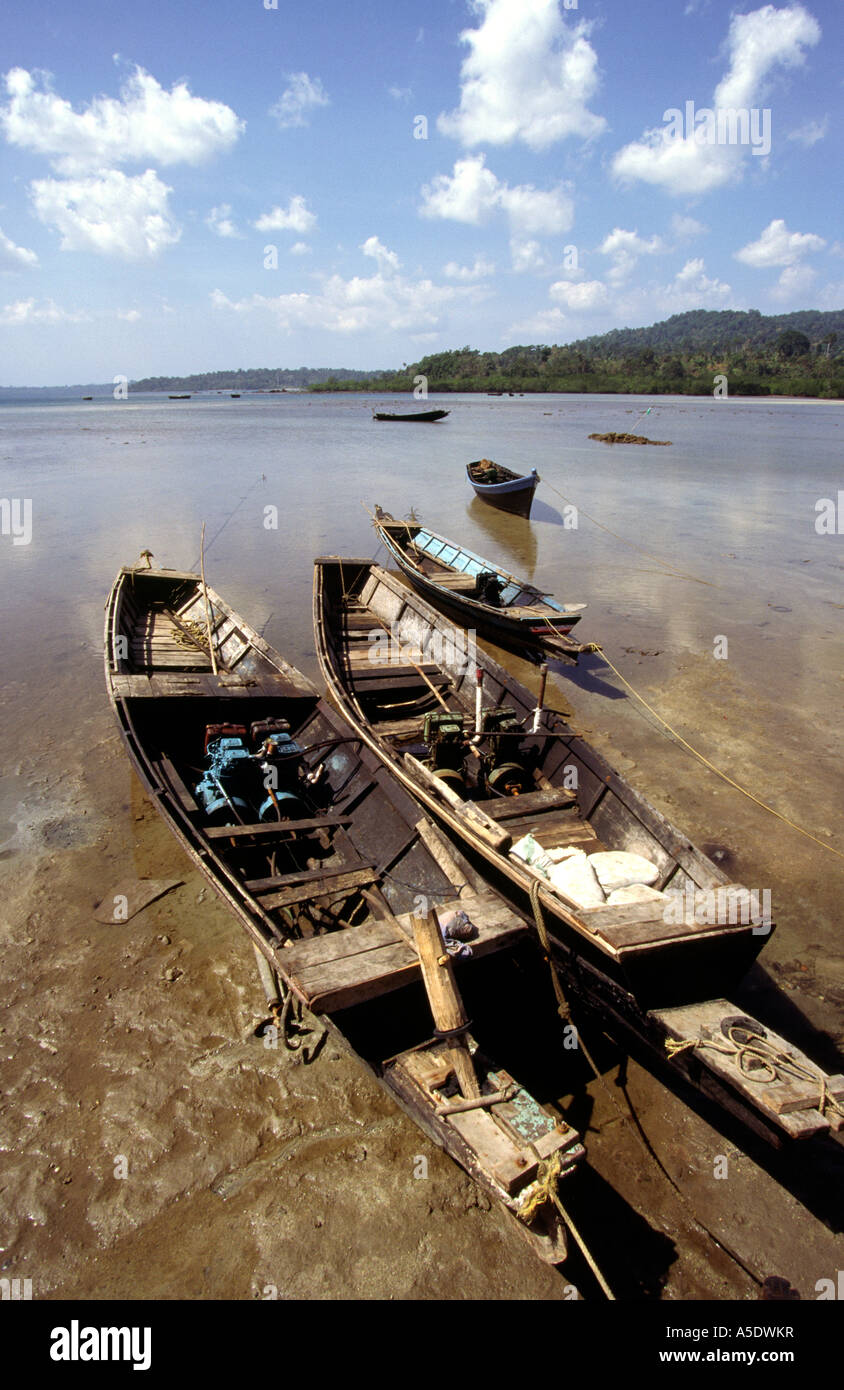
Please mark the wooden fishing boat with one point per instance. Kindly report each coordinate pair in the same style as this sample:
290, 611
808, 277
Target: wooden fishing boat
501, 487
421, 416
323, 858
479, 593
493, 767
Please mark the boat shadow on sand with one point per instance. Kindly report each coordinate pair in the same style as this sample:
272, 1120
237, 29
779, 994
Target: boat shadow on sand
585, 675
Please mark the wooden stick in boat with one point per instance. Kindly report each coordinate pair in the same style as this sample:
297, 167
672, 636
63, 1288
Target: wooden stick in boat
457, 1107
418, 669
444, 998
208, 622
537, 713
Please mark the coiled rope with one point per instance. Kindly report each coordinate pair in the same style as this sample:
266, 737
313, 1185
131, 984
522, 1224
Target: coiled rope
760, 1061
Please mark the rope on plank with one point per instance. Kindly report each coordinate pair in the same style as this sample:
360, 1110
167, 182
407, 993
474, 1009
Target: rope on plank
760, 1061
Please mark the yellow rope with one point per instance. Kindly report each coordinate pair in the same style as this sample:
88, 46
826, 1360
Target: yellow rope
668, 568
744, 791
544, 1189
773, 1064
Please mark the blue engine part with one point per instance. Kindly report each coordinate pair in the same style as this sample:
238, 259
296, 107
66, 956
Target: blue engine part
235, 782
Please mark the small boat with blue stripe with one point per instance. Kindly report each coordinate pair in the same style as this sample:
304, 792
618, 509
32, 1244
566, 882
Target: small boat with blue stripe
501, 487
479, 593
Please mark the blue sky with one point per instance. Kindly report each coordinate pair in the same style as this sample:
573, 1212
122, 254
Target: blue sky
200, 185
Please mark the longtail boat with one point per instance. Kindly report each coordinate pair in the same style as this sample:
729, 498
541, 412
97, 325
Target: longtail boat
643, 928
420, 416
479, 593
501, 487
283, 808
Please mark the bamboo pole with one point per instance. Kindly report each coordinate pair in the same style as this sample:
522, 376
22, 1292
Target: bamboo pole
444, 998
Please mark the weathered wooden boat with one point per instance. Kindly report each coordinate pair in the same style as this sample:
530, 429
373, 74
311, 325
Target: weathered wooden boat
479, 593
422, 416
481, 755
501, 487
323, 858
180, 398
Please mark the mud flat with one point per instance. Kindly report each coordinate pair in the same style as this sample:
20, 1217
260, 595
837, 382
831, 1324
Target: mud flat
130, 1048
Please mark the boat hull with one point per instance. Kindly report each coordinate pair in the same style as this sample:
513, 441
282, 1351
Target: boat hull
374, 856
423, 417
532, 625
514, 496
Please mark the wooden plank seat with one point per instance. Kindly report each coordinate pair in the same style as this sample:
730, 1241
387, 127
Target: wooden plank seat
384, 680
264, 828
631, 925
346, 967
143, 685
311, 884
509, 807
456, 583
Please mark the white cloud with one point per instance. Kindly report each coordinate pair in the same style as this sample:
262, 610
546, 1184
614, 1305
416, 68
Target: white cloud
387, 260
625, 248
778, 246
110, 213
402, 94
810, 133
25, 311
146, 122
302, 95
129, 315
691, 288
580, 306
220, 221
588, 294
526, 256
473, 193
757, 43
686, 227
467, 273
382, 301
527, 77
14, 257
794, 283
297, 217
300, 248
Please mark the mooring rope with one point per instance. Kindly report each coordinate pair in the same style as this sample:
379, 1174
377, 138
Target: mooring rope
668, 568
723, 775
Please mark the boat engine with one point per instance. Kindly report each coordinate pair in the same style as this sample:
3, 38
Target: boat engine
489, 588
443, 736
505, 773
249, 787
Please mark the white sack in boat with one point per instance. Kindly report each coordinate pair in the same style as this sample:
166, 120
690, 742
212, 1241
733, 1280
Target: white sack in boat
576, 878
618, 868
561, 852
532, 853
635, 893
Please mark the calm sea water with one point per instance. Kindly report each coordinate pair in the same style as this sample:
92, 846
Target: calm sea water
731, 502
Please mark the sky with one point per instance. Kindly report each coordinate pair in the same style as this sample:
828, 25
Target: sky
196, 185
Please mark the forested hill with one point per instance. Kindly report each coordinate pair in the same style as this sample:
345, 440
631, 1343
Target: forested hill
252, 379
753, 354
734, 352
715, 328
